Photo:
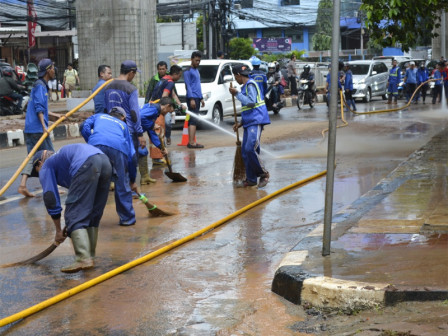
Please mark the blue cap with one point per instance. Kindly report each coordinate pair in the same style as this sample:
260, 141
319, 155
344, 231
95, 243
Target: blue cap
256, 61
129, 65
43, 66
143, 151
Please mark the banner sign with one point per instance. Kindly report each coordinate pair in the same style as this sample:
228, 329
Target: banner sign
272, 44
32, 19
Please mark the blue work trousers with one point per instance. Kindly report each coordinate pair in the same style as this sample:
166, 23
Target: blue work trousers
123, 192
87, 194
31, 140
251, 152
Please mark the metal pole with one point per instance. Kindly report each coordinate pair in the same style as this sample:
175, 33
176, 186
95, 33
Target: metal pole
334, 91
204, 31
211, 29
362, 40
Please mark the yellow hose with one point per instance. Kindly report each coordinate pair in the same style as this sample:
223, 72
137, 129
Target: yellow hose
342, 115
44, 136
152, 255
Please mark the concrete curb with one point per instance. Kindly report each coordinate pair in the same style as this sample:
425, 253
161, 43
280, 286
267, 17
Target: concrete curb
293, 282
12, 138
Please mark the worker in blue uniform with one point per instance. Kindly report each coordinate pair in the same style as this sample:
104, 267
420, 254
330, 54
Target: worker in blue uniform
86, 172
393, 81
110, 134
259, 76
254, 115
149, 113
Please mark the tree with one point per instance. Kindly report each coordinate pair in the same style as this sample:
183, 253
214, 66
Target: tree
402, 21
241, 48
200, 33
324, 26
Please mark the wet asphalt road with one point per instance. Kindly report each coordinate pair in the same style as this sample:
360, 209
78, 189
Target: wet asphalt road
218, 284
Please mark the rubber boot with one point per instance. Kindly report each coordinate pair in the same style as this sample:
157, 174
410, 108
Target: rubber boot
81, 245
143, 168
93, 238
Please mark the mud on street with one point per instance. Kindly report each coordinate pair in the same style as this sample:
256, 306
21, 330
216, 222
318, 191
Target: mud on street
218, 284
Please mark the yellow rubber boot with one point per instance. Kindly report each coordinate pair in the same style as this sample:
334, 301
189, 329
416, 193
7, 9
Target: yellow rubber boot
144, 171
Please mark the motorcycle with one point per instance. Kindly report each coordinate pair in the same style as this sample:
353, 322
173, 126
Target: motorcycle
8, 106
305, 95
269, 99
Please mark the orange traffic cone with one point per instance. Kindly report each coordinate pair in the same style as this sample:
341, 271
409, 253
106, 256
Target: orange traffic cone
185, 139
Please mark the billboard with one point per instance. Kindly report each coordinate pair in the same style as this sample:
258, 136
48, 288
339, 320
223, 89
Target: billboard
279, 44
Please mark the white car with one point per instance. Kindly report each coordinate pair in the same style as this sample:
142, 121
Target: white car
216, 76
369, 79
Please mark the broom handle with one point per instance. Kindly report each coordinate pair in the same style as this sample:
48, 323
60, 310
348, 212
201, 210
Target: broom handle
234, 114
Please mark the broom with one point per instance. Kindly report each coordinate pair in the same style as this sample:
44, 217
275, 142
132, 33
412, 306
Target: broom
152, 208
239, 170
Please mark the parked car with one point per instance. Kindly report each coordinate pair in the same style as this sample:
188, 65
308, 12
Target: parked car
369, 79
216, 76
388, 59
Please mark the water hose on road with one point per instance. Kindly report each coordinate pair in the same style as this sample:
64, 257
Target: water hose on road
55, 299
342, 115
46, 134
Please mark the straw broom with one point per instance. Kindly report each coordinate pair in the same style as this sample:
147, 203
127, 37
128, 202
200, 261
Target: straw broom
239, 170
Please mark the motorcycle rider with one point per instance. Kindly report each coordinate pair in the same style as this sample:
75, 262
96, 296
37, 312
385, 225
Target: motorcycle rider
274, 82
259, 76
309, 76
10, 88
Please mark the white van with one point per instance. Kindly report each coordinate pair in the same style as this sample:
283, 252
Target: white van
369, 79
216, 76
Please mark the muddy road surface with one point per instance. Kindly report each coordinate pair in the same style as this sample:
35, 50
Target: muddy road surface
219, 283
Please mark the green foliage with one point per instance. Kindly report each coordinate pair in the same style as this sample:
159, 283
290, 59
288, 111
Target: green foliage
200, 33
324, 26
241, 48
275, 57
398, 21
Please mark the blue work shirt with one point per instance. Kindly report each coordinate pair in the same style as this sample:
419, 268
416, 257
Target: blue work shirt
411, 76
348, 84
104, 129
260, 78
395, 75
193, 83
254, 111
149, 113
438, 75
60, 168
98, 100
124, 94
329, 81
38, 103
422, 75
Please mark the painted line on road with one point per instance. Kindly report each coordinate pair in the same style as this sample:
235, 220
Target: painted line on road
15, 198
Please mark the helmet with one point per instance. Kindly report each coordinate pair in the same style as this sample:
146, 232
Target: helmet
306, 68
271, 65
256, 61
7, 71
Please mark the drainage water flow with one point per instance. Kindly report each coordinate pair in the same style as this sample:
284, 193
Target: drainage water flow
208, 122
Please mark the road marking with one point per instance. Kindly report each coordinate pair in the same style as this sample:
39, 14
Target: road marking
15, 198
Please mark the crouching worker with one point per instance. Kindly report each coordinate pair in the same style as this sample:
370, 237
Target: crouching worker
148, 115
86, 172
110, 134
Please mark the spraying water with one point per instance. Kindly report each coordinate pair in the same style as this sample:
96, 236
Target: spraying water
443, 98
208, 122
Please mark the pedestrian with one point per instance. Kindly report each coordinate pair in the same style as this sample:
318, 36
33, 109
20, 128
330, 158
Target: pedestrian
444, 72
410, 79
165, 88
36, 119
292, 76
392, 82
348, 87
195, 100
259, 76
53, 85
438, 84
422, 77
110, 134
149, 113
104, 74
123, 94
162, 70
254, 115
220, 55
70, 80
86, 172
328, 84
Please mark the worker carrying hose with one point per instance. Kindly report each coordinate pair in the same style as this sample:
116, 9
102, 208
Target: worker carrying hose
86, 172
150, 113
110, 134
254, 115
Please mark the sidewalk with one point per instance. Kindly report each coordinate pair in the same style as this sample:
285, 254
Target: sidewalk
390, 245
